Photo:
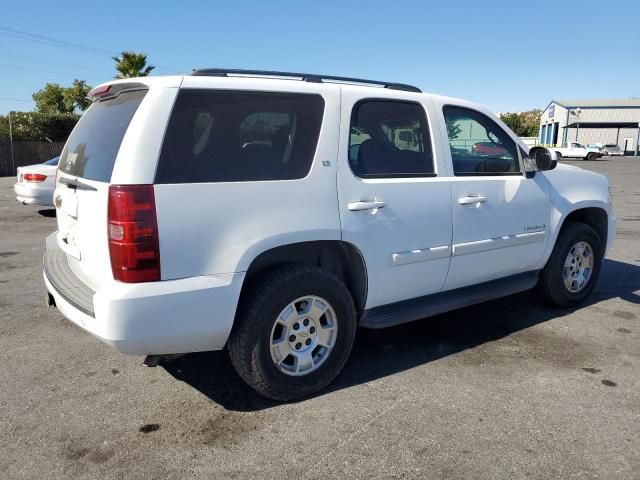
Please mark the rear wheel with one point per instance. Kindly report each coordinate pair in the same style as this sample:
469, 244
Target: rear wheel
559, 155
294, 333
573, 268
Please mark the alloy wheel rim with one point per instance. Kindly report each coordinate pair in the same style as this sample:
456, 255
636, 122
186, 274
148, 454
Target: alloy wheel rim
578, 267
303, 335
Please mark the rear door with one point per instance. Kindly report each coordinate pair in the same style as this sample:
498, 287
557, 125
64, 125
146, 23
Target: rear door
247, 164
81, 195
394, 195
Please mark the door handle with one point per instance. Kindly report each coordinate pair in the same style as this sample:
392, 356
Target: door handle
472, 200
365, 205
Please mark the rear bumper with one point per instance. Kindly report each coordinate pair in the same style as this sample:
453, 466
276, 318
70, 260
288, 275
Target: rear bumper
34, 194
172, 316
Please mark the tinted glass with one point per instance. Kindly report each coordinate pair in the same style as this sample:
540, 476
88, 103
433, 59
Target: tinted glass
91, 150
53, 161
478, 145
389, 139
229, 136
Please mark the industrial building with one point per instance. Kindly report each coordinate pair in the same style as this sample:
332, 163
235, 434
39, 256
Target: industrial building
591, 121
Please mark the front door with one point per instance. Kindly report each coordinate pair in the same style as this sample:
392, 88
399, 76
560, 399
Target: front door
500, 217
395, 200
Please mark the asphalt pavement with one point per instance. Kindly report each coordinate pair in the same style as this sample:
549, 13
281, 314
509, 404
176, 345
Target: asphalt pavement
507, 389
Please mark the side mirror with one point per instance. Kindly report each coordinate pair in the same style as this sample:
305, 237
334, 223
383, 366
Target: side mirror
542, 159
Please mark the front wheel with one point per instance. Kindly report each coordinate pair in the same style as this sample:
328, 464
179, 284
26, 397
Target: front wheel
293, 333
592, 156
559, 155
573, 268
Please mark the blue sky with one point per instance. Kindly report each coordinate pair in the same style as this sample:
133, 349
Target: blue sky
508, 55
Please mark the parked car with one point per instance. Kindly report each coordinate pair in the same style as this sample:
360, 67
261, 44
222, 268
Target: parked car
611, 149
36, 183
488, 148
173, 238
577, 150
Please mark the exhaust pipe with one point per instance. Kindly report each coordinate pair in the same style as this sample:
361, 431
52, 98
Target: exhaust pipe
155, 360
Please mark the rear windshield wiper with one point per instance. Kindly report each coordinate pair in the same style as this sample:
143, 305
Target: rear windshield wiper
77, 184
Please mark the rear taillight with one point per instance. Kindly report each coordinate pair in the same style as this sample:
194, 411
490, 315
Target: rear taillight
133, 233
34, 177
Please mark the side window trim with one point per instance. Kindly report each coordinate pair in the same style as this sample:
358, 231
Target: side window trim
516, 146
427, 144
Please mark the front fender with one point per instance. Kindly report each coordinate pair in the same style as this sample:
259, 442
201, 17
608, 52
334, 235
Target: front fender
572, 189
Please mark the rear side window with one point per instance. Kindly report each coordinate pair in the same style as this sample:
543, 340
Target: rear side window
478, 145
91, 150
389, 139
232, 136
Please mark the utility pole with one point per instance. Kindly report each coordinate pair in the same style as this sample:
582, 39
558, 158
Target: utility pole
635, 150
13, 162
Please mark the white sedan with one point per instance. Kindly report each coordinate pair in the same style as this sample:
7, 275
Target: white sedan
36, 183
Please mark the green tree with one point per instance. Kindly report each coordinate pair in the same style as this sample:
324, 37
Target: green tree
453, 129
131, 64
76, 96
54, 98
523, 124
50, 99
38, 127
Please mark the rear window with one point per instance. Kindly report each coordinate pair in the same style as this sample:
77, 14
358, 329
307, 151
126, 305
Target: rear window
93, 145
231, 136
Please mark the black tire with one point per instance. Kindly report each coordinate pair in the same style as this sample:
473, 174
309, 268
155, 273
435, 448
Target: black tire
559, 155
551, 282
249, 342
592, 156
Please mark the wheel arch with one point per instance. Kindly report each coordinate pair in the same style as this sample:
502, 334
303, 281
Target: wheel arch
341, 258
595, 217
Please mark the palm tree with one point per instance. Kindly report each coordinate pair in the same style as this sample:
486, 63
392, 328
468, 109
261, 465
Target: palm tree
131, 64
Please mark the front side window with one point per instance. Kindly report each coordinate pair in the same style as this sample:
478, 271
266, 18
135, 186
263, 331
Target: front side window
478, 145
389, 139
235, 136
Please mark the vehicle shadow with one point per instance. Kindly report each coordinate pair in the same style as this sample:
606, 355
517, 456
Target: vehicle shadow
48, 212
379, 353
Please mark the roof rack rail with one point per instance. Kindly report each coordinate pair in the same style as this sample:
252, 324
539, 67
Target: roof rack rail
305, 77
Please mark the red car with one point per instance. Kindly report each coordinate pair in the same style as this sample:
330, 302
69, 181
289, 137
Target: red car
488, 148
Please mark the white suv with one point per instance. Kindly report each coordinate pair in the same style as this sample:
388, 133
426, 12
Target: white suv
273, 213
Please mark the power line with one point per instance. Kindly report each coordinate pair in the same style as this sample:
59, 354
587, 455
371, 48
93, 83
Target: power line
3, 99
8, 65
12, 32
76, 47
